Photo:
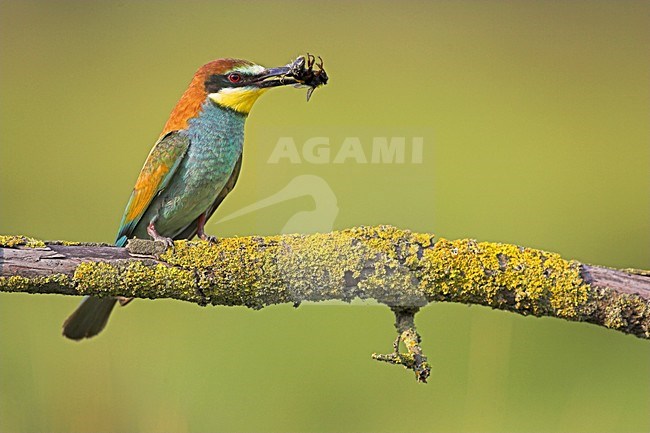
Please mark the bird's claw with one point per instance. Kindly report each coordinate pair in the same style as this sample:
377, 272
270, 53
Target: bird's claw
151, 231
168, 242
208, 238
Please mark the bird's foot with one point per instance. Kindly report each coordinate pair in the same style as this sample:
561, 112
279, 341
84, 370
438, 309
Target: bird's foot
200, 229
208, 238
168, 242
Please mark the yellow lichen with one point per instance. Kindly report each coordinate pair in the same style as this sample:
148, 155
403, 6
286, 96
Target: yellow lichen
158, 281
95, 277
17, 283
10, 241
135, 279
622, 309
326, 266
492, 273
249, 270
235, 271
14, 284
392, 266
71, 243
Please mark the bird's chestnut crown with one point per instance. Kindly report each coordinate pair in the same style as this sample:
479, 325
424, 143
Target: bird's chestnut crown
230, 83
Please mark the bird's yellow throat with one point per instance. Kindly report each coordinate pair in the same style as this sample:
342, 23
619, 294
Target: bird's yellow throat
239, 99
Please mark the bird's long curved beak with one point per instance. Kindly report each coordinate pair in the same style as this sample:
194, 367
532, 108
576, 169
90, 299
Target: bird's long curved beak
274, 77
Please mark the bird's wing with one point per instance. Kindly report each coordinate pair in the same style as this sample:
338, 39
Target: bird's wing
190, 230
158, 169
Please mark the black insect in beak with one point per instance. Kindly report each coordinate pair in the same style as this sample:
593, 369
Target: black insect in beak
300, 73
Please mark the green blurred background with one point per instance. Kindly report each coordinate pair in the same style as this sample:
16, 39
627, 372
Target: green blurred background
535, 124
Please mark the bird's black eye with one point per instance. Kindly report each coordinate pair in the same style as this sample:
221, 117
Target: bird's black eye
234, 77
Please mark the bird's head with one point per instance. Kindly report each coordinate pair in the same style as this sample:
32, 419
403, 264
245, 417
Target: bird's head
236, 84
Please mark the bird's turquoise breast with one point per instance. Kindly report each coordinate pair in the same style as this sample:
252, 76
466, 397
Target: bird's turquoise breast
216, 140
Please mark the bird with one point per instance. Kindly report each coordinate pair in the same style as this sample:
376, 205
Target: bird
193, 165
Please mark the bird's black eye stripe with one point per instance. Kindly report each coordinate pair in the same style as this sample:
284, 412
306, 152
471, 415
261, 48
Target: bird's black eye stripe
216, 82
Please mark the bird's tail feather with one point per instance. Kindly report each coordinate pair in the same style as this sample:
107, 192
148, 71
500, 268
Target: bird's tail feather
89, 318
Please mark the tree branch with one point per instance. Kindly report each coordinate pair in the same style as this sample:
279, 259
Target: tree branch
401, 269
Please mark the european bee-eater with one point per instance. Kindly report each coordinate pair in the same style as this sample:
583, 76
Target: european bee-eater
194, 164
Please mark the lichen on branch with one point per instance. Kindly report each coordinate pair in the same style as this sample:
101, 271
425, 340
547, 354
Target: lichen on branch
396, 267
